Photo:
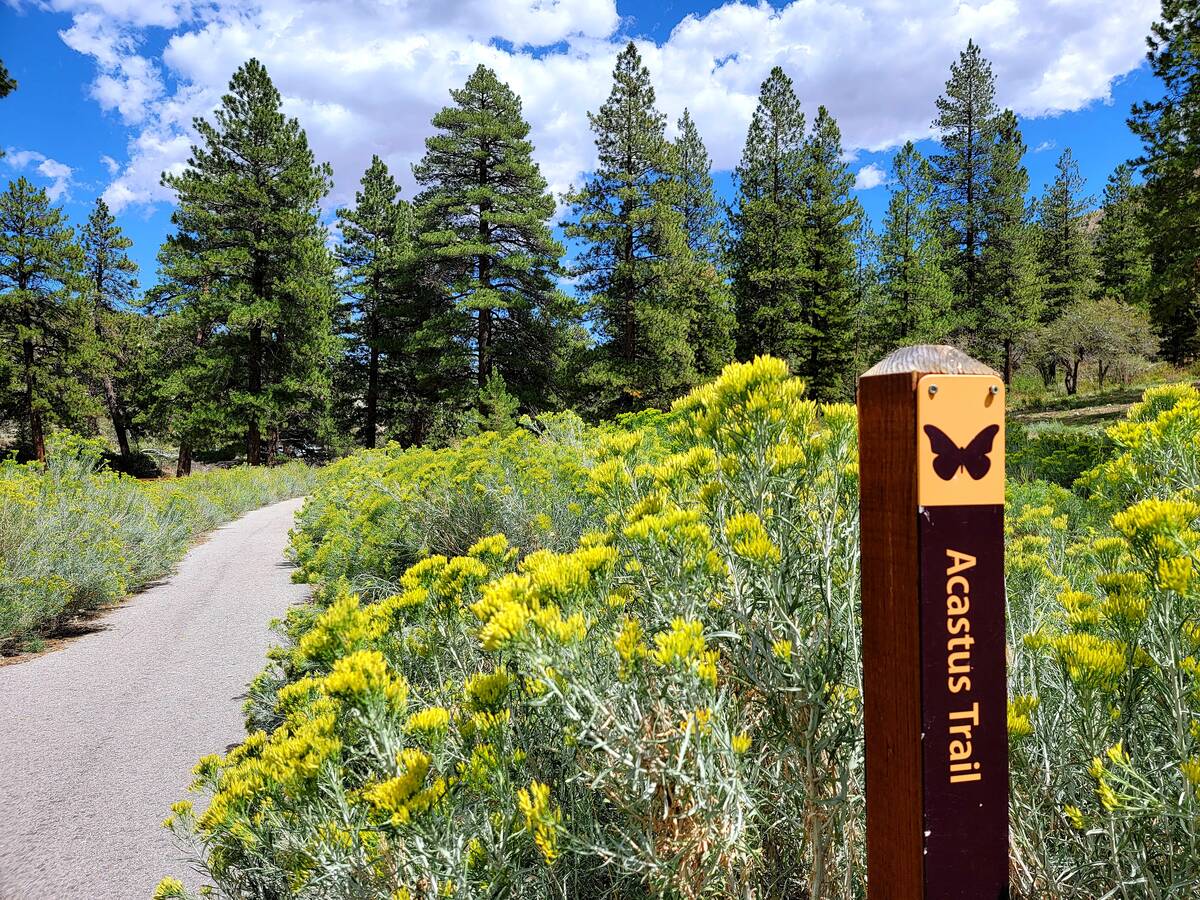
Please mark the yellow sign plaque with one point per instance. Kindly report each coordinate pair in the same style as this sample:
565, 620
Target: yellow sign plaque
960, 440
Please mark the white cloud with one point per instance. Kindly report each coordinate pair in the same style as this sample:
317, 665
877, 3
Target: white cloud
126, 82
869, 176
1045, 145
58, 174
365, 77
111, 164
20, 159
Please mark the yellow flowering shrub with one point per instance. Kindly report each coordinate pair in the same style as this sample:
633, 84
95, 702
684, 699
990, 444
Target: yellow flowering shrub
624, 661
1101, 594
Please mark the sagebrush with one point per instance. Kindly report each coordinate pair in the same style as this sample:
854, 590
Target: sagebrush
624, 662
75, 536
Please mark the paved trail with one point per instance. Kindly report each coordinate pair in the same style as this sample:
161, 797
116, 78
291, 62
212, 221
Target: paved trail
98, 738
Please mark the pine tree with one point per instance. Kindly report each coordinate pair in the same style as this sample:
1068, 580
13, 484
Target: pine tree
1170, 162
497, 407
768, 255
376, 254
831, 219
41, 320
1068, 265
627, 217
702, 285
872, 338
916, 300
965, 124
484, 215
434, 396
1009, 284
110, 277
248, 233
698, 206
185, 373
1122, 247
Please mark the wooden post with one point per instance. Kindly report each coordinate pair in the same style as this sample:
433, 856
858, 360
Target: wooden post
931, 463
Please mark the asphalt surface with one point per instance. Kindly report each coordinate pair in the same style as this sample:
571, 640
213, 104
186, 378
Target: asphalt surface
98, 738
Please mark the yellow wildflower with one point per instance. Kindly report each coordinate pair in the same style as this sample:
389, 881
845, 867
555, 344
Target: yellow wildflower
433, 720
541, 820
365, 674
1191, 770
1075, 816
169, 888
749, 539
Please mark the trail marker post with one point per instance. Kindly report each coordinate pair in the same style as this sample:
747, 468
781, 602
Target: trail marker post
931, 467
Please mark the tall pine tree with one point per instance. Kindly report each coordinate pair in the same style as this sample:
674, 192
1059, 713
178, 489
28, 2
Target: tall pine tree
1009, 284
110, 279
916, 301
768, 254
1065, 248
484, 213
1122, 247
1170, 162
248, 233
831, 217
41, 321
627, 217
376, 255
702, 285
965, 126
698, 206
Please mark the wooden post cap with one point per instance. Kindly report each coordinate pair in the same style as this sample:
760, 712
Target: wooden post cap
929, 359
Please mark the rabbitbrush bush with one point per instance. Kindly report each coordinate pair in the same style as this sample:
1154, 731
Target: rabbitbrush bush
623, 662
74, 536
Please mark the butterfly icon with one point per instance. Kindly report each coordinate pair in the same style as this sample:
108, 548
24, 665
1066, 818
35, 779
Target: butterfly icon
948, 457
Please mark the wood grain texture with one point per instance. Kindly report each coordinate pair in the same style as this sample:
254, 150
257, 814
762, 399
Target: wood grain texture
929, 359
887, 418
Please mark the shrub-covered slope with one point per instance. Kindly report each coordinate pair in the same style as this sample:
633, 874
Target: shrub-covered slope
624, 662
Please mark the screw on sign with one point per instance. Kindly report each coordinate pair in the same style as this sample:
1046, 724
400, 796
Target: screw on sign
931, 462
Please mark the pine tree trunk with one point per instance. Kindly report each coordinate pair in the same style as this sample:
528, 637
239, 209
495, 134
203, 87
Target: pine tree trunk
485, 346
116, 414
969, 224
1008, 361
36, 435
184, 466
485, 284
629, 338
253, 434
115, 410
372, 399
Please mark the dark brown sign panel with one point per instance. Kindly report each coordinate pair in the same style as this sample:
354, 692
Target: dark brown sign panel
964, 708
964, 712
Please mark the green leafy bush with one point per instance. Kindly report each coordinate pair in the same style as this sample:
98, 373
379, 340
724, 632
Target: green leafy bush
624, 662
1057, 455
75, 536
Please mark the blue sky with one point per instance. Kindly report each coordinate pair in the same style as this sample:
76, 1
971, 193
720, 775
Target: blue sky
108, 87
